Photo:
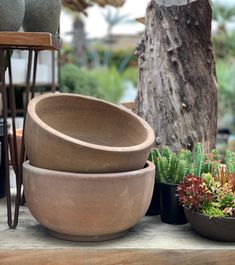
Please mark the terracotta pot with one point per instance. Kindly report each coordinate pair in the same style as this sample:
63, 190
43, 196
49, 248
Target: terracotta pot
18, 143
88, 207
42, 15
75, 133
219, 229
12, 14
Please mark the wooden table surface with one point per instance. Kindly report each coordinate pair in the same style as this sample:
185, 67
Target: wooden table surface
29, 40
150, 242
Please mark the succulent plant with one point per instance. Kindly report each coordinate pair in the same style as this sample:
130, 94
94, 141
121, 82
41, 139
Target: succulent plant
208, 194
193, 194
230, 161
171, 167
198, 159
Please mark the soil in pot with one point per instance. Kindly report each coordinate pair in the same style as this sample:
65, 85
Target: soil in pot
171, 210
155, 207
215, 228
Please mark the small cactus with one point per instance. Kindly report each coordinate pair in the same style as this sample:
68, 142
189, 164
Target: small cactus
172, 168
198, 159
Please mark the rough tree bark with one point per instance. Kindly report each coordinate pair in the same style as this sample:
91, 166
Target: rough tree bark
177, 81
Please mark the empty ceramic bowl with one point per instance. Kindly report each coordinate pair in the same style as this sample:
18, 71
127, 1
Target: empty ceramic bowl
76, 133
88, 207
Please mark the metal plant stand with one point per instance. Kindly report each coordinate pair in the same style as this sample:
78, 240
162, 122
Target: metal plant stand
33, 43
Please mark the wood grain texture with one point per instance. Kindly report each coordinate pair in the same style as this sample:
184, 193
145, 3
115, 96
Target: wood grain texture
177, 83
116, 257
29, 40
150, 242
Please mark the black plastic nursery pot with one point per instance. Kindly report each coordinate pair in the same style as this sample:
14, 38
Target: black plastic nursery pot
171, 210
155, 206
215, 228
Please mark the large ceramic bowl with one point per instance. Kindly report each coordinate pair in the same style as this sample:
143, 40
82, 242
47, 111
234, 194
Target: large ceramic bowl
75, 133
88, 207
220, 229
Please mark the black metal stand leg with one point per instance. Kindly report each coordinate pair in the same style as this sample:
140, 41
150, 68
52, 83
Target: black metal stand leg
53, 85
15, 153
22, 151
34, 74
28, 90
4, 64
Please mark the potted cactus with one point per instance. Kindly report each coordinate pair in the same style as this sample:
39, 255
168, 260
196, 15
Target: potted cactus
209, 199
171, 169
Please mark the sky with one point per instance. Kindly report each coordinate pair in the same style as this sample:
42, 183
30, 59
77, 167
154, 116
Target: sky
96, 27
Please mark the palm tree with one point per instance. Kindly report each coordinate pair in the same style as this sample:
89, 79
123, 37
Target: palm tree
114, 18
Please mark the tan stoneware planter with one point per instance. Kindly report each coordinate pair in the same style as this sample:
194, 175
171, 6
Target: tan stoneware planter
75, 133
88, 207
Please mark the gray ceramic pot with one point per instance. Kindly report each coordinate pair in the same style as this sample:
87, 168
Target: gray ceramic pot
215, 228
11, 14
42, 16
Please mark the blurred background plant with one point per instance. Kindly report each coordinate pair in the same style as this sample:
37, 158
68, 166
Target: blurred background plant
224, 47
106, 66
102, 67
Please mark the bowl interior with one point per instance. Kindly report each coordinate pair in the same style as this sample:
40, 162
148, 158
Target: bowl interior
91, 121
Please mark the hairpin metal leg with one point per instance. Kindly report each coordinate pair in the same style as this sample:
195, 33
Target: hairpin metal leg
22, 151
5, 63
35, 63
28, 90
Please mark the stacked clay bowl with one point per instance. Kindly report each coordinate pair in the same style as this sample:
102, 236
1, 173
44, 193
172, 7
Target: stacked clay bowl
87, 178
81, 134
88, 207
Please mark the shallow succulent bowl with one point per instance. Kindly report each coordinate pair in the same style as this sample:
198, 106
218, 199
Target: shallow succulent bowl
88, 207
74, 133
215, 228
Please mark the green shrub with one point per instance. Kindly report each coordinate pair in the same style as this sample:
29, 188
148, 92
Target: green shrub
131, 74
76, 80
110, 83
225, 70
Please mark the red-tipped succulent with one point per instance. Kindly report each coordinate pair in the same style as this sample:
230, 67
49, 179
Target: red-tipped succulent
193, 193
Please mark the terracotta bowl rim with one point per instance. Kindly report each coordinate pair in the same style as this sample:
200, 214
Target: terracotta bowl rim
109, 176
206, 216
145, 144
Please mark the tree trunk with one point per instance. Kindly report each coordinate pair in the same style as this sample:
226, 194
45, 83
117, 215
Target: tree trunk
177, 81
79, 41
